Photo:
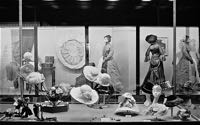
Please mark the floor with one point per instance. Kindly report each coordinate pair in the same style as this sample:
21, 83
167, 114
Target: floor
83, 113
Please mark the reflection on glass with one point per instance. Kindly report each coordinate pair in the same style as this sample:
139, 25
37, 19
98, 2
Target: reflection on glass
10, 58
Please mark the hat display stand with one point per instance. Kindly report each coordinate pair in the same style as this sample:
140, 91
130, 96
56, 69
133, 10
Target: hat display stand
62, 107
104, 104
54, 105
171, 102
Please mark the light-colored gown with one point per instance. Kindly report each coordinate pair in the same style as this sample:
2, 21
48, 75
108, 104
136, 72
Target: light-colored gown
185, 70
110, 66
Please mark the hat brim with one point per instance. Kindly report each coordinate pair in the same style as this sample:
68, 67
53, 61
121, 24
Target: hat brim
127, 111
98, 81
86, 72
76, 94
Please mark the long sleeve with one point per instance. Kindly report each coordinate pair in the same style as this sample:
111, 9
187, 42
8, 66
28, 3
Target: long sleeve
147, 58
185, 51
162, 56
110, 54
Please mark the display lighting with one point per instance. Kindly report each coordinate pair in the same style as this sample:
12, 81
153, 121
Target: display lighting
113, 0
83, 0
146, 0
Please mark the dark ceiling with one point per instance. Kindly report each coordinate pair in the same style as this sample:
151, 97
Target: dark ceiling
101, 12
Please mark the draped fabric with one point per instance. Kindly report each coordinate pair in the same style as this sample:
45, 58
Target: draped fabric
185, 70
12, 69
110, 66
155, 74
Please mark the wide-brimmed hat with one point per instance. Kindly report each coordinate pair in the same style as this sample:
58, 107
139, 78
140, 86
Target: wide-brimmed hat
151, 38
127, 105
91, 73
103, 79
84, 94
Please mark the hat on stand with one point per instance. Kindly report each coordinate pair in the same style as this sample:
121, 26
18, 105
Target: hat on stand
173, 100
127, 105
91, 73
84, 94
103, 79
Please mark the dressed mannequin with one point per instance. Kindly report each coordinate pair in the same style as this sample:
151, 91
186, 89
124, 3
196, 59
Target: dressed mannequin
155, 75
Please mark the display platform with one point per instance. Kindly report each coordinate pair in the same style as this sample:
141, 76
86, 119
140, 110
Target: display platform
83, 113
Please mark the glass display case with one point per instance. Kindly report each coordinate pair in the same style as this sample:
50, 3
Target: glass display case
98, 73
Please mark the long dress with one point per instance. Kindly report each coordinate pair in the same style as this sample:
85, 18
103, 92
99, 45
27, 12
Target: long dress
185, 72
110, 66
155, 74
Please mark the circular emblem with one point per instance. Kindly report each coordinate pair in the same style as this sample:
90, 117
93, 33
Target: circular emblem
71, 53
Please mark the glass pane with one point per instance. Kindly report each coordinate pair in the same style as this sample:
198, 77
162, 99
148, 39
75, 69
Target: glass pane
165, 37
122, 66
10, 58
67, 47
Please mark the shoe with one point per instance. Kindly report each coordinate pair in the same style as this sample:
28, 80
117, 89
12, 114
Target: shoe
173, 100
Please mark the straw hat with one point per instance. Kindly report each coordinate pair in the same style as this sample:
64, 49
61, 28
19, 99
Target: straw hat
103, 79
91, 73
84, 94
127, 105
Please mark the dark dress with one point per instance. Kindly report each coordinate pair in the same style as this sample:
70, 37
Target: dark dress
155, 74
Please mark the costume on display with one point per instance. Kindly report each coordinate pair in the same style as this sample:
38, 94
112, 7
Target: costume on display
195, 56
184, 72
110, 66
127, 106
155, 75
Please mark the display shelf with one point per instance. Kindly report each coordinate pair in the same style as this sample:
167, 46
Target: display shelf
95, 115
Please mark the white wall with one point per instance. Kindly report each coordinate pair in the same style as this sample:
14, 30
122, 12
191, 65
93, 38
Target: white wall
48, 40
6, 55
163, 32
124, 42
